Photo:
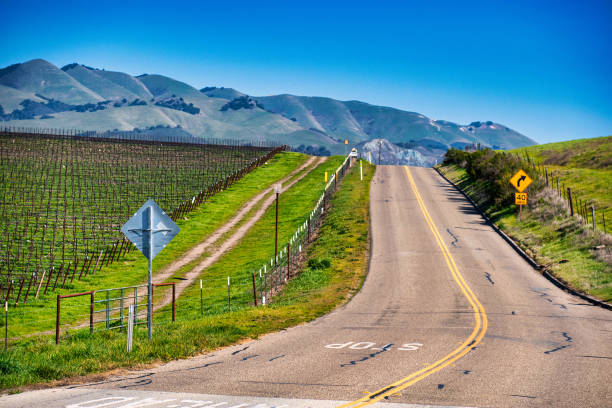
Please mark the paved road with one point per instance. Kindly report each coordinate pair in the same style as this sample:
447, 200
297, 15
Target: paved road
449, 315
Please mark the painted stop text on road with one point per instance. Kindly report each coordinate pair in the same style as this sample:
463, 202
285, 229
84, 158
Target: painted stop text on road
368, 345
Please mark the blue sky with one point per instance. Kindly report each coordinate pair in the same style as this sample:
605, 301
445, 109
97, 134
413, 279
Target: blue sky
543, 68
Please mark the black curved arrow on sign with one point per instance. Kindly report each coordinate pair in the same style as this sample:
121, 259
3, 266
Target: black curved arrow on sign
518, 183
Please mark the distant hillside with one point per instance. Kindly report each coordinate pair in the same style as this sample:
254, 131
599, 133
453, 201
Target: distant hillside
43, 78
225, 93
38, 94
360, 121
110, 84
385, 152
11, 98
126, 81
160, 85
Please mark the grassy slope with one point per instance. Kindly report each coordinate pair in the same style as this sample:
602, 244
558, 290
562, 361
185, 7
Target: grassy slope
39, 315
585, 165
257, 247
345, 229
562, 238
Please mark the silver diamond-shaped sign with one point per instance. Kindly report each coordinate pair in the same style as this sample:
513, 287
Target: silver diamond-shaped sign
150, 229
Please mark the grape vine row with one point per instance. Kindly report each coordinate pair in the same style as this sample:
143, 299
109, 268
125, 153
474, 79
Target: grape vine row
64, 196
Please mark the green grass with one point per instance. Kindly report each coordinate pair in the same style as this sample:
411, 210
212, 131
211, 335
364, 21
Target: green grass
585, 166
595, 153
257, 247
342, 240
39, 315
545, 232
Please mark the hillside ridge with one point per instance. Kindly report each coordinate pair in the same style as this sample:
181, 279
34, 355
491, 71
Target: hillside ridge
38, 94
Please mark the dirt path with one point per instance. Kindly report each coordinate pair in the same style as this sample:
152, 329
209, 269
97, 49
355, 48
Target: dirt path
229, 243
197, 251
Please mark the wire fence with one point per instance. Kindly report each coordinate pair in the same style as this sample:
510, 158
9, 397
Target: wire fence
591, 212
132, 136
65, 193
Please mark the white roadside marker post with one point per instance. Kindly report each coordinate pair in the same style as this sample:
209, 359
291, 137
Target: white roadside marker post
130, 331
360, 170
201, 300
229, 304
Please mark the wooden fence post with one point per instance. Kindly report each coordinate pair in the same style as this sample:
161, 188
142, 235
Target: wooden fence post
58, 275
42, 278
571, 202
20, 288
76, 265
85, 263
28, 290
91, 312
66, 273
173, 302
57, 320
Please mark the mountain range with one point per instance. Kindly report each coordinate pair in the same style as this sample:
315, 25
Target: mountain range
39, 94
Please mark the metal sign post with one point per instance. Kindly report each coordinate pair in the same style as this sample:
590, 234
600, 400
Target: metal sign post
150, 281
150, 229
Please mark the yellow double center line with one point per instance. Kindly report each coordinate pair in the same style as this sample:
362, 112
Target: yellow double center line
478, 333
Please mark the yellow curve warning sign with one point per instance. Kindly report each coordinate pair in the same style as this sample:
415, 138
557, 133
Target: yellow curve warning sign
520, 181
520, 198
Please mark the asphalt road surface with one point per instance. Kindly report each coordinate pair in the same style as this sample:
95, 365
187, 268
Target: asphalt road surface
449, 315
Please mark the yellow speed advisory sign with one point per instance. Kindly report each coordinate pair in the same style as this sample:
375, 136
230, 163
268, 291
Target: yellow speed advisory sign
520, 198
520, 181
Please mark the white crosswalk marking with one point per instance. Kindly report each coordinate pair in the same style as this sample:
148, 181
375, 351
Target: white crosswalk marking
85, 397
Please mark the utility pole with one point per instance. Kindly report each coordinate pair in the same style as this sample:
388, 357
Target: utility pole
277, 190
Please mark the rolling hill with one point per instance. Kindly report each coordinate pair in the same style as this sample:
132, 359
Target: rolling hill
383, 151
360, 121
98, 83
43, 78
38, 94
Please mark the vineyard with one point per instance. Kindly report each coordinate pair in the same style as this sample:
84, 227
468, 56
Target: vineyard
64, 197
